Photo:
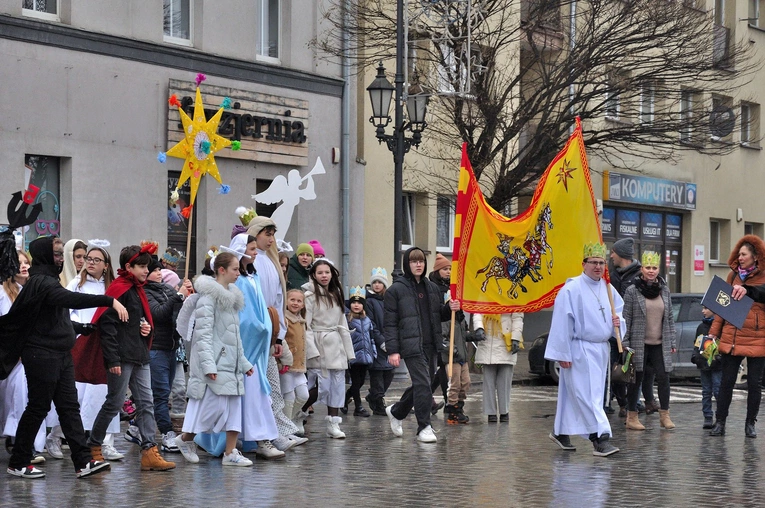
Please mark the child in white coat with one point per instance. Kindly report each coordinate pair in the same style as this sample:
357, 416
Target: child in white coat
328, 344
216, 363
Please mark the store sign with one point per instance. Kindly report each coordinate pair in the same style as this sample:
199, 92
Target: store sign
607, 222
673, 228
271, 128
627, 223
649, 191
650, 226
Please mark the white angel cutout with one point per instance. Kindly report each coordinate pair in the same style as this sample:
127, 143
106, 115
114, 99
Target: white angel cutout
289, 192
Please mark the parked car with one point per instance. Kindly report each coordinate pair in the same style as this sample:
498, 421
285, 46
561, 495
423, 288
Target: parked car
686, 310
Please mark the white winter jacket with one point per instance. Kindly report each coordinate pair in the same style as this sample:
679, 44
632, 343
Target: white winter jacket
216, 347
328, 343
494, 350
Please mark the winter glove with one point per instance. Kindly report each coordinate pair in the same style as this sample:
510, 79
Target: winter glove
516, 345
83, 328
479, 335
284, 369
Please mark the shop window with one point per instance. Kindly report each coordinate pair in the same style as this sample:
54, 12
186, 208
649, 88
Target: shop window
178, 21
178, 225
750, 124
714, 241
45, 174
407, 212
261, 185
445, 223
269, 23
43, 9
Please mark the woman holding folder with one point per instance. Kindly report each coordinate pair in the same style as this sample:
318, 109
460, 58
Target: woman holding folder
747, 342
651, 333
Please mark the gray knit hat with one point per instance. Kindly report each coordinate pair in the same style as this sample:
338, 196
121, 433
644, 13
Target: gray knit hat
624, 248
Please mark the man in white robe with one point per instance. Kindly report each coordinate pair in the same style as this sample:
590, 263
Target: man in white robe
581, 326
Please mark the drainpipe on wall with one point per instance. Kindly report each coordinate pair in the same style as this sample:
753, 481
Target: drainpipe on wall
571, 45
345, 146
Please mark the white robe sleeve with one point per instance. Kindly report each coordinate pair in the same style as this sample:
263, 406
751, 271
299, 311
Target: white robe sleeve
561, 328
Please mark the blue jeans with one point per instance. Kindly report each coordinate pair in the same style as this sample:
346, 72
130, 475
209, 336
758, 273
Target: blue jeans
162, 375
710, 385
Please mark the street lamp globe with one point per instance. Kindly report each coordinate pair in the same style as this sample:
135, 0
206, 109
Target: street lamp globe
380, 93
416, 107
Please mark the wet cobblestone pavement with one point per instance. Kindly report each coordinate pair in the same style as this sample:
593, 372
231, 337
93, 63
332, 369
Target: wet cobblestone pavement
478, 464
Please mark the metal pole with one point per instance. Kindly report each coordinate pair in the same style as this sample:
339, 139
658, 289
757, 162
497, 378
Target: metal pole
398, 138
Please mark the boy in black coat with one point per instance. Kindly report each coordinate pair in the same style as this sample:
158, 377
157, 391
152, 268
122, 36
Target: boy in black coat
711, 375
413, 315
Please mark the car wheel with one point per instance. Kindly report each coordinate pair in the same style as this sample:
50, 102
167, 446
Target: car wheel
741, 377
553, 368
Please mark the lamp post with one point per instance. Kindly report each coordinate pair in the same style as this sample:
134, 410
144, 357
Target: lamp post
380, 93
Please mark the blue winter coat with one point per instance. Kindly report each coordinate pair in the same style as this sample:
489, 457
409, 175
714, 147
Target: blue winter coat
362, 333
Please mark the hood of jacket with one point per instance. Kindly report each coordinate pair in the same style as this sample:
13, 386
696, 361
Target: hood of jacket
407, 270
223, 297
443, 284
294, 263
41, 251
758, 245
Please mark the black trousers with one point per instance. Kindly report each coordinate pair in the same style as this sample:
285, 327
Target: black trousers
653, 357
358, 375
419, 395
441, 379
730, 365
379, 382
50, 376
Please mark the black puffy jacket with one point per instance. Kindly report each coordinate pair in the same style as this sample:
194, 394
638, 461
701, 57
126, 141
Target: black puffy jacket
460, 326
375, 308
165, 303
403, 324
122, 342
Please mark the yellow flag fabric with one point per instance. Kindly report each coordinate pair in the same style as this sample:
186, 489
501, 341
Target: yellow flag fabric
502, 264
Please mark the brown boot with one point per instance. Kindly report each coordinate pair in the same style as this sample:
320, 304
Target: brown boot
151, 460
95, 451
632, 421
664, 420
651, 407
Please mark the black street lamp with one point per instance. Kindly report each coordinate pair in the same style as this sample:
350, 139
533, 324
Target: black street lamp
380, 93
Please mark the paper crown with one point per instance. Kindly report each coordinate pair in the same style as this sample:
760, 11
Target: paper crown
246, 215
650, 258
595, 250
172, 256
357, 292
379, 272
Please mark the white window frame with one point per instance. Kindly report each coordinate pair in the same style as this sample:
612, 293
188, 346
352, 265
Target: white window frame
647, 90
180, 40
686, 114
451, 202
262, 21
746, 124
47, 16
408, 216
612, 104
714, 240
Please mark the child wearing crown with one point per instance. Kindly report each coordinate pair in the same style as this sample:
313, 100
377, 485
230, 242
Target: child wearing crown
363, 332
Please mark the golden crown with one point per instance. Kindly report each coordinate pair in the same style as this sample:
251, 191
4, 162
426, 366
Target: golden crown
246, 215
595, 250
650, 258
357, 292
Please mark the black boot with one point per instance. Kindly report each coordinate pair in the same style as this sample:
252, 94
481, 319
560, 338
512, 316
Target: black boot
749, 429
450, 409
718, 429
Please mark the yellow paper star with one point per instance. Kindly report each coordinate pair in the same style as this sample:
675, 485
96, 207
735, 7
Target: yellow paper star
194, 147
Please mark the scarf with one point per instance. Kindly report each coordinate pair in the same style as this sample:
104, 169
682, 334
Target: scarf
649, 290
87, 348
743, 273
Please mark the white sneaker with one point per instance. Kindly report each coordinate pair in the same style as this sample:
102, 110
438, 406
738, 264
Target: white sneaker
298, 439
283, 443
235, 458
29, 472
53, 445
427, 435
188, 449
110, 453
395, 423
168, 443
266, 450
333, 427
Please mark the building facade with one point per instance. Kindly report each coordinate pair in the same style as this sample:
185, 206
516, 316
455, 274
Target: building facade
84, 97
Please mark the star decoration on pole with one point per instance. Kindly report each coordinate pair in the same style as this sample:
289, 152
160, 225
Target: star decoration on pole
198, 147
565, 173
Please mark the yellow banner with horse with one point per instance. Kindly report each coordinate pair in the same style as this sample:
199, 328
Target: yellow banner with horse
518, 264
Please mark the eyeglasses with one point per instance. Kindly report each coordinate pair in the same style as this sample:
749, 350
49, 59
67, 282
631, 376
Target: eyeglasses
95, 261
596, 263
418, 262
